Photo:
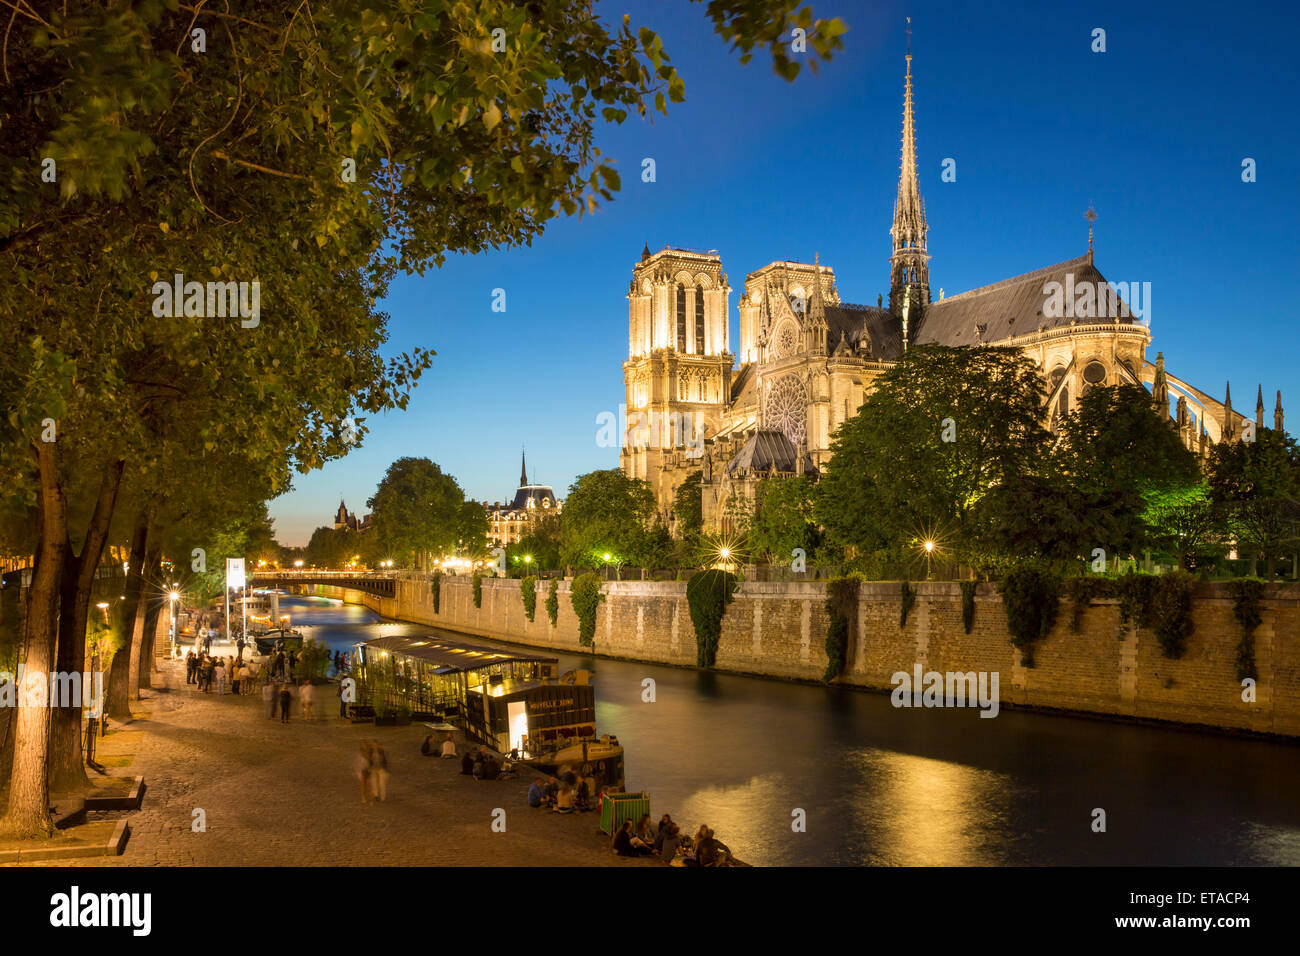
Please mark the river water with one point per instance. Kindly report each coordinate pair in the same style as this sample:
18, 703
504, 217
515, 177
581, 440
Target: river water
915, 787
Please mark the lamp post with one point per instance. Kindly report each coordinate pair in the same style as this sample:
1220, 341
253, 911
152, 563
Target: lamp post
173, 595
607, 556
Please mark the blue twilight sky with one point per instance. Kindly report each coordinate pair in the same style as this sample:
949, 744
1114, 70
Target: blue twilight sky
1153, 132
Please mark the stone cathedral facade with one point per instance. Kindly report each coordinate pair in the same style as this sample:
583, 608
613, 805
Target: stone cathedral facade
805, 360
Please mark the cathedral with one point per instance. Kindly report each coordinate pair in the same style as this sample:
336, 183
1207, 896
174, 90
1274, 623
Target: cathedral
806, 359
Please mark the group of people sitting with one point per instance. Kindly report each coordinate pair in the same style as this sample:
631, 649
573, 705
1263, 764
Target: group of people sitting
483, 764
570, 792
667, 842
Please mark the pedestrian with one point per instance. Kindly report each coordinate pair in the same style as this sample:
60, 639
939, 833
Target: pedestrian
237, 677
189, 667
269, 695
361, 768
305, 698
343, 702
285, 698
220, 672
379, 771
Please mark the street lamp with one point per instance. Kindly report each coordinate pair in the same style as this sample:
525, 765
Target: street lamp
173, 595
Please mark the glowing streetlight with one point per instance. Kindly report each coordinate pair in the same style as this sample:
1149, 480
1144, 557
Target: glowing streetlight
297, 564
929, 547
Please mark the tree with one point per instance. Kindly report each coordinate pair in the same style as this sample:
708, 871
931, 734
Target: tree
1186, 521
941, 427
606, 513
1258, 483
783, 519
688, 506
418, 510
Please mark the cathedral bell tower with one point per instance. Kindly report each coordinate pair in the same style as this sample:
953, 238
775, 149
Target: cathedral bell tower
909, 269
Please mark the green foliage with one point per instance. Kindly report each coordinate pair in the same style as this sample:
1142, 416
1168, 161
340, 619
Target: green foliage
908, 599
782, 519
553, 602
331, 548
478, 589
968, 604
528, 591
688, 506
708, 593
893, 476
541, 543
606, 513
418, 510
313, 660
435, 585
1248, 610
842, 613
1081, 591
1171, 611
1258, 486
1137, 595
1031, 597
1186, 521
585, 596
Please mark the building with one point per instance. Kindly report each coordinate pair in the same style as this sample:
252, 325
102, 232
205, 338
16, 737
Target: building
806, 359
344, 519
510, 522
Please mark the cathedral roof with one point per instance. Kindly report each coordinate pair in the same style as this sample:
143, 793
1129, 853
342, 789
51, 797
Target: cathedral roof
767, 449
1006, 309
881, 328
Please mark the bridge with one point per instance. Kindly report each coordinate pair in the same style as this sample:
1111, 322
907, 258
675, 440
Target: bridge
378, 583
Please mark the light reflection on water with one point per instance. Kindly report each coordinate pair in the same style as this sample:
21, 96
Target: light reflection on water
917, 787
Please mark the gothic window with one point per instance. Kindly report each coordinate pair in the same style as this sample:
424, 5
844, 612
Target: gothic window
681, 317
699, 320
786, 341
787, 409
1094, 373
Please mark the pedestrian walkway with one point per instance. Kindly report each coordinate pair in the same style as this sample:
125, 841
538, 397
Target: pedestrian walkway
276, 794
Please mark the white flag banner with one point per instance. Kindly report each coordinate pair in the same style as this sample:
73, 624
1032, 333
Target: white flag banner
234, 572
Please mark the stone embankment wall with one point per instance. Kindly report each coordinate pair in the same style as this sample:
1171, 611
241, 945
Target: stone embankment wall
778, 629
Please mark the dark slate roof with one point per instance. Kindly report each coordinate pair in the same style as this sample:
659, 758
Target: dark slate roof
1009, 308
538, 494
742, 383
881, 327
765, 449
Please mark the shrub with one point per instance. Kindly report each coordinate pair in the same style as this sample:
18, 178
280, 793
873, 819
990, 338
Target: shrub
436, 586
586, 597
313, 660
708, 593
1081, 591
842, 610
909, 598
1171, 611
528, 591
553, 602
478, 589
968, 605
1247, 610
1137, 593
1031, 596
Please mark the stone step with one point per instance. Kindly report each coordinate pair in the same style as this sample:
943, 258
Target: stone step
116, 793
96, 838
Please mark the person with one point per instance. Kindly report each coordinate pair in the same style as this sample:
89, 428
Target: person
491, 768
269, 695
237, 677
305, 697
343, 703
710, 851
582, 794
537, 793
220, 672
285, 697
361, 768
449, 747
428, 748
564, 799
664, 823
467, 764
669, 839
627, 844
379, 775
189, 667
552, 790
478, 765
645, 830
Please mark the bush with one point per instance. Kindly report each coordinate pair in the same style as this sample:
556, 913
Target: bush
909, 598
968, 605
1247, 610
586, 597
313, 660
528, 591
436, 586
1081, 591
842, 609
1137, 594
708, 593
553, 602
478, 589
1031, 596
1172, 612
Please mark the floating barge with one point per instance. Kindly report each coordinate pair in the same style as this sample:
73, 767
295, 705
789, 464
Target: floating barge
514, 702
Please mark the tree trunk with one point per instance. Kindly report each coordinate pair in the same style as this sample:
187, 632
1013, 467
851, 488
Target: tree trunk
119, 675
153, 606
28, 815
67, 768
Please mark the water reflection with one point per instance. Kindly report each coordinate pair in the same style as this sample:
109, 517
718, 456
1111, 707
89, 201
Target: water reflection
917, 787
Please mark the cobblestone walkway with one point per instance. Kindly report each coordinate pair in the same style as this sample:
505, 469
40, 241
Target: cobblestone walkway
284, 794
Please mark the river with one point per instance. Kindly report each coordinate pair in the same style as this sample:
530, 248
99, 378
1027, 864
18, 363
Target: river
916, 787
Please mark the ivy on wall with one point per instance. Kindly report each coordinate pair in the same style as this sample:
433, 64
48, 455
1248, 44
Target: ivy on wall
1031, 598
909, 598
478, 590
1081, 591
553, 602
586, 597
1171, 612
1137, 595
528, 591
968, 604
436, 587
1249, 612
708, 593
842, 612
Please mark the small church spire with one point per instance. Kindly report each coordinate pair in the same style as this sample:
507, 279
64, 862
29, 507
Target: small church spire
1259, 409
817, 308
523, 468
1160, 389
1229, 425
1091, 216
1277, 413
909, 263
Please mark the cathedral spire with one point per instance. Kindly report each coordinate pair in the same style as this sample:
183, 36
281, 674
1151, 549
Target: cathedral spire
816, 307
523, 468
909, 264
1277, 413
1259, 409
1160, 389
1229, 426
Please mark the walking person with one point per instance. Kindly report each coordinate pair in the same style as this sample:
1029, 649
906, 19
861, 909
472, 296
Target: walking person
361, 768
343, 702
286, 697
220, 672
189, 667
269, 695
237, 677
305, 696
379, 771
